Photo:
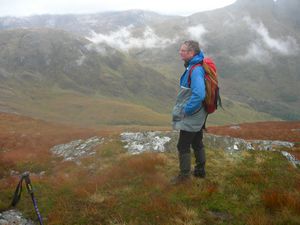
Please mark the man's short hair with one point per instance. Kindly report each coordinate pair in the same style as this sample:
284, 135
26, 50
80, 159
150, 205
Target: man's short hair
193, 46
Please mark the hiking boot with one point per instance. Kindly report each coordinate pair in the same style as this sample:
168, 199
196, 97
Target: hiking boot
199, 173
180, 179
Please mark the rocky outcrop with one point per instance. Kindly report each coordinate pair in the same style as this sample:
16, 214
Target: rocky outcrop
147, 141
291, 158
236, 144
159, 141
15, 217
75, 150
166, 141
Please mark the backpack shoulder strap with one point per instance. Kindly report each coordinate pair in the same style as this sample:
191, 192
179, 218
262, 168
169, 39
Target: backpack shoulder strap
191, 70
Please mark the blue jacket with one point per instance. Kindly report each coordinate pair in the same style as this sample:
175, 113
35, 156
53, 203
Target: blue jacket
197, 85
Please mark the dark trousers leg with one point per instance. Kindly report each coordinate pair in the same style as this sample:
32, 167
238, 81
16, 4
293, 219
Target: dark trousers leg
185, 141
199, 152
183, 146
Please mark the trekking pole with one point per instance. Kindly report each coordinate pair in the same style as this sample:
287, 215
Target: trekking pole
17, 195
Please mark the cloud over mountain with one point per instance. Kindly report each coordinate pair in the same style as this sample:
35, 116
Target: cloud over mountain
256, 52
285, 46
124, 39
264, 46
197, 32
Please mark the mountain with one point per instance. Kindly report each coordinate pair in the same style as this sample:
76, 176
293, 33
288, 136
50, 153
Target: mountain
285, 11
132, 57
71, 62
84, 24
40, 65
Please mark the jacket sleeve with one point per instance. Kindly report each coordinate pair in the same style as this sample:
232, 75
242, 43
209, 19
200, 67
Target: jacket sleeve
198, 91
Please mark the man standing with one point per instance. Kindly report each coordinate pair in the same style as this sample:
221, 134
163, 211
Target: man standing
189, 114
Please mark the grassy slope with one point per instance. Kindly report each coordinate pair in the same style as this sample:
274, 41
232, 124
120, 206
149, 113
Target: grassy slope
97, 111
86, 111
116, 188
234, 112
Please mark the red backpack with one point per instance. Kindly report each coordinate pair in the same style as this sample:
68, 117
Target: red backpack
212, 98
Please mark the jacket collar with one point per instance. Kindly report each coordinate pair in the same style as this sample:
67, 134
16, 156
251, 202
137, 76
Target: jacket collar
196, 59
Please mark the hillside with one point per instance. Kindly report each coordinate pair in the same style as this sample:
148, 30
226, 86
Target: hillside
49, 58
113, 186
53, 74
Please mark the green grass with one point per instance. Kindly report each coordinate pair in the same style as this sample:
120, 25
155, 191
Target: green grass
87, 111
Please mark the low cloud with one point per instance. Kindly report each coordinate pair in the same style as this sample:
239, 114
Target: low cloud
197, 32
124, 40
80, 60
263, 47
96, 47
256, 52
285, 46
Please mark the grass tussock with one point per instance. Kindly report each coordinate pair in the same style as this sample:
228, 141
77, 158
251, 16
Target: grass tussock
258, 217
276, 200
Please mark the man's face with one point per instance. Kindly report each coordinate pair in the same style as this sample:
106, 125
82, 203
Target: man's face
185, 54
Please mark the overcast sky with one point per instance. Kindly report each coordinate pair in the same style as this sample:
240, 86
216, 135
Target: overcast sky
175, 7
